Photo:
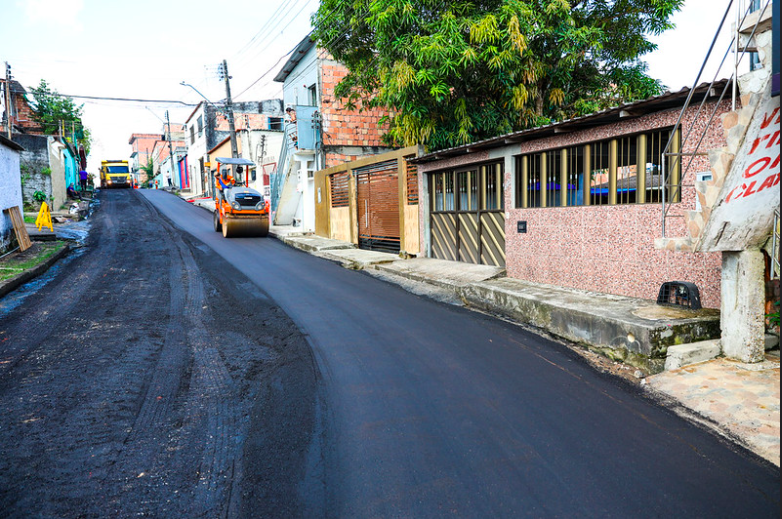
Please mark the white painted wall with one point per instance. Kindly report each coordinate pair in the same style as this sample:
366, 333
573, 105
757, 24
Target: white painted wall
10, 191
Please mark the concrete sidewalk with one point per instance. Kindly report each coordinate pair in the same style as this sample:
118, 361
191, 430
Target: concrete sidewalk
738, 401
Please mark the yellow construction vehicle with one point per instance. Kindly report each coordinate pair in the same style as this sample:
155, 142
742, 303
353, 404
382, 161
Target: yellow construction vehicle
114, 173
239, 210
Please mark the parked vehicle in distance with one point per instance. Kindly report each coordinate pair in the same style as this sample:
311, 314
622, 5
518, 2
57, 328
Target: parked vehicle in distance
114, 173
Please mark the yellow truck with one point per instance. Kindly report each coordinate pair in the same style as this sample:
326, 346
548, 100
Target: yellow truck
114, 173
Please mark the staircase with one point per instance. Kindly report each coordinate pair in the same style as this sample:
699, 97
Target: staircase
281, 192
706, 226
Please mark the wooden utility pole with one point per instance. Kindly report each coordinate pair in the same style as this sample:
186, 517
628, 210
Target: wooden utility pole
230, 110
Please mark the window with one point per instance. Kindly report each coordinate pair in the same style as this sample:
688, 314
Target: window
339, 190
599, 185
192, 134
533, 180
200, 125
312, 95
492, 199
553, 178
275, 123
655, 144
474, 189
449, 192
437, 191
626, 170
412, 184
574, 172
467, 184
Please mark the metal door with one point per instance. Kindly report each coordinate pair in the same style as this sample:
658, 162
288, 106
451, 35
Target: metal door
467, 218
377, 199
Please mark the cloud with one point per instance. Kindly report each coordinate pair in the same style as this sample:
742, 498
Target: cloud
63, 13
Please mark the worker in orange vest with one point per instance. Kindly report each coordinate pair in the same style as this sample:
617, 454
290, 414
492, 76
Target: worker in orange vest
224, 180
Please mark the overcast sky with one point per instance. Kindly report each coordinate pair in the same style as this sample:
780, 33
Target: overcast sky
145, 48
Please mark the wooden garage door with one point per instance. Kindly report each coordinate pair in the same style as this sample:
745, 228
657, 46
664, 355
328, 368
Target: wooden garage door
377, 199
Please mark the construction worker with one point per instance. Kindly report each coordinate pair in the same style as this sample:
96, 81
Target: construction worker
223, 181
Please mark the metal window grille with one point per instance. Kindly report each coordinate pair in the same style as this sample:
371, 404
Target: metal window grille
553, 178
339, 190
626, 170
599, 186
412, 184
534, 175
575, 176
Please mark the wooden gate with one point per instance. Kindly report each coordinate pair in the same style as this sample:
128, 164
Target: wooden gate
467, 217
377, 206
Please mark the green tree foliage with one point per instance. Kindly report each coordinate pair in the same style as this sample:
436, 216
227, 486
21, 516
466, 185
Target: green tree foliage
452, 72
50, 109
148, 168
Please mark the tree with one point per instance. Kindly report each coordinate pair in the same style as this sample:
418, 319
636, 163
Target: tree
148, 168
455, 72
53, 111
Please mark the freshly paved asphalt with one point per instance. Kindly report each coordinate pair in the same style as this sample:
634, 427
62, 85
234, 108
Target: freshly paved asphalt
430, 410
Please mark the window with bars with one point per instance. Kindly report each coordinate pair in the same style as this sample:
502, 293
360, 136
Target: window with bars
625, 170
599, 181
492, 199
655, 144
467, 190
534, 175
467, 187
339, 190
553, 185
574, 174
412, 184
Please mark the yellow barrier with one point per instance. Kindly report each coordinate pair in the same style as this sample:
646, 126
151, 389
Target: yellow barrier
44, 218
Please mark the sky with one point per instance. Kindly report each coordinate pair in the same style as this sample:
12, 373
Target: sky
144, 49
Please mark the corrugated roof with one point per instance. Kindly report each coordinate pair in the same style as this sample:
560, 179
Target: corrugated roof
622, 112
298, 53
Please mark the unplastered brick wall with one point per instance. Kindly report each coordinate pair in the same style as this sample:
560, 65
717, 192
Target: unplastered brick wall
343, 127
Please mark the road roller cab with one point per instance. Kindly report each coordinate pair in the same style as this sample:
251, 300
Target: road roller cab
239, 210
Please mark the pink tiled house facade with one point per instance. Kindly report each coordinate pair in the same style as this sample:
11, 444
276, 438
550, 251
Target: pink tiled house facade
578, 204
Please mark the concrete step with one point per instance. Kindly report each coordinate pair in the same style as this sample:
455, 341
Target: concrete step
634, 331
692, 353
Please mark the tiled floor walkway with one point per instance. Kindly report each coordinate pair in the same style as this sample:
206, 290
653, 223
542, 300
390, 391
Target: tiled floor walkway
742, 398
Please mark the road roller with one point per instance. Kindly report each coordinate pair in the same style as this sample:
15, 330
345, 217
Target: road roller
239, 210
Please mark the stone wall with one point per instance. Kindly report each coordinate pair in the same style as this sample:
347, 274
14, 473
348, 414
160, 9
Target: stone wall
34, 160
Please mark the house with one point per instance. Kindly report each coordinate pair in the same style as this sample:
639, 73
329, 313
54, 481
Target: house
371, 202
141, 150
320, 132
207, 126
10, 189
254, 142
678, 190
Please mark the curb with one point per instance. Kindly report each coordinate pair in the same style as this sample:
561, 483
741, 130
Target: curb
12, 284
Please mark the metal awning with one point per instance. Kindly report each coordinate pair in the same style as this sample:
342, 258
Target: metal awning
235, 162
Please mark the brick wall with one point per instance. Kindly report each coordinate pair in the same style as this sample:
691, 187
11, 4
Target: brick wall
343, 127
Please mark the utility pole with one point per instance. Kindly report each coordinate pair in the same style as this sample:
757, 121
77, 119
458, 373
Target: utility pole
229, 109
8, 98
170, 148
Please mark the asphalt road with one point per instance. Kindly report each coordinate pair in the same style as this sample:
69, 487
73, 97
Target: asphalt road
170, 372
428, 410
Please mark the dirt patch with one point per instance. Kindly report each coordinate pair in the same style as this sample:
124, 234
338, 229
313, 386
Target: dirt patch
17, 262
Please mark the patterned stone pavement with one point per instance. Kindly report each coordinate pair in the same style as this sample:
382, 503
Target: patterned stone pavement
742, 399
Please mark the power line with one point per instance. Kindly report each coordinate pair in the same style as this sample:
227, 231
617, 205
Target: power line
132, 100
